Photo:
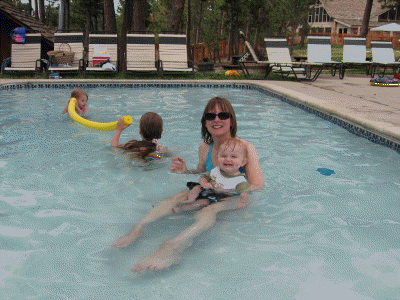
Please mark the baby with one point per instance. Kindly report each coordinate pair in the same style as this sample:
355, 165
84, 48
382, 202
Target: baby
223, 181
81, 101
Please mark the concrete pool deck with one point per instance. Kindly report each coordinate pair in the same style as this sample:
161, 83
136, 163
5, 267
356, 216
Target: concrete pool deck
353, 99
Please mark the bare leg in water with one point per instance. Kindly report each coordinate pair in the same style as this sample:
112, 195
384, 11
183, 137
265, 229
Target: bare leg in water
171, 252
162, 209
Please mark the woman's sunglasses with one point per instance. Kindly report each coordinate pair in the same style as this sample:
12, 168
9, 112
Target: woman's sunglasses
221, 116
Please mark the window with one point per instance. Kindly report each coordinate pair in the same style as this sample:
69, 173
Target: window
318, 14
390, 15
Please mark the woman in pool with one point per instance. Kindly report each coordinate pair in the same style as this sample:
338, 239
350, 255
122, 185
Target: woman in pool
218, 124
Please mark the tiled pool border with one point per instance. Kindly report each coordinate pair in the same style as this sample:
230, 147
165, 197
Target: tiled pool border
353, 128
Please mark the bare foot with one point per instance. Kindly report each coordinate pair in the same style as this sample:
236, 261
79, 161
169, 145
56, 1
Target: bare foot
167, 256
126, 240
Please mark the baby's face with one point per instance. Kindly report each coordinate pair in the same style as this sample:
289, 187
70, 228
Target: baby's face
231, 159
81, 101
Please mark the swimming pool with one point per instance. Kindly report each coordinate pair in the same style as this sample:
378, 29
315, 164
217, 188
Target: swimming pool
66, 195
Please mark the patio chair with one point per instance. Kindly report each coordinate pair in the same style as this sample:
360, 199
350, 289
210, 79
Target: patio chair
68, 41
173, 54
354, 55
103, 51
242, 60
383, 57
26, 57
141, 53
319, 54
279, 58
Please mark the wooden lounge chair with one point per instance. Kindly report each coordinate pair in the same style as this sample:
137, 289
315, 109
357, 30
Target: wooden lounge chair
141, 53
354, 55
279, 58
383, 57
242, 61
102, 48
26, 57
68, 41
173, 54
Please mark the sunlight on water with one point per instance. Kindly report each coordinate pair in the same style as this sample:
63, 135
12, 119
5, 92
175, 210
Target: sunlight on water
326, 226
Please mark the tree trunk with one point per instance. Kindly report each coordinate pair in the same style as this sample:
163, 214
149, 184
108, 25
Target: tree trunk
175, 18
198, 26
139, 15
66, 14
126, 26
42, 17
36, 10
110, 24
367, 14
188, 25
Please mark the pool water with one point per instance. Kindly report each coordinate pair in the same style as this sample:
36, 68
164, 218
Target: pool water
326, 226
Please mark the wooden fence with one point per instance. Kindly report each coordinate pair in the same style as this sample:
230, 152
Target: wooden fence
203, 50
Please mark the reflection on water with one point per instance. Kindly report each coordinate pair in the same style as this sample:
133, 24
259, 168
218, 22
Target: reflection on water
66, 195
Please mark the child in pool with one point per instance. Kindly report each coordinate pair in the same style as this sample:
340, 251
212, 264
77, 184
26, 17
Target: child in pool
150, 129
223, 181
81, 101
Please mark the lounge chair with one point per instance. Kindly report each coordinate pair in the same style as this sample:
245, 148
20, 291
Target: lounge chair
141, 53
242, 60
383, 57
354, 54
103, 51
26, 57
279, 58
173, 54
68, 41
319, 54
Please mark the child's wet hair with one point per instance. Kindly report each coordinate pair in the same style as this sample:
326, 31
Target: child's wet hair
151, 127
76, 93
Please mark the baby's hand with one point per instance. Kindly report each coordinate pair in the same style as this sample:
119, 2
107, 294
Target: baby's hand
207, 185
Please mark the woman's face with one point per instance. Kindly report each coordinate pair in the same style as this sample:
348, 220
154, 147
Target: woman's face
218, 127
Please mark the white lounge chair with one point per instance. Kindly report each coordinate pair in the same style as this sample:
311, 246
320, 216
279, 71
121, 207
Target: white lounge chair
26, 57
383, 57
68, 41
102, 47
319, 54
279, 58
173, 54
354, 54
141, 53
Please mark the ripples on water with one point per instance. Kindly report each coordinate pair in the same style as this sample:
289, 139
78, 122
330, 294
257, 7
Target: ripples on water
65, 195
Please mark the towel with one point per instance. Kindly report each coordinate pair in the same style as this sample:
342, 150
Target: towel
18, 35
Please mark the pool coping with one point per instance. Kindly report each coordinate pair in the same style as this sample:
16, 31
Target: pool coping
377, 132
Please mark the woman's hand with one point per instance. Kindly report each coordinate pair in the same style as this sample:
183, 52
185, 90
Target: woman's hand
178, 166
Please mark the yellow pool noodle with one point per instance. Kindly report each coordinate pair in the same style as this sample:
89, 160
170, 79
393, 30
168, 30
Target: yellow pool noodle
93, 125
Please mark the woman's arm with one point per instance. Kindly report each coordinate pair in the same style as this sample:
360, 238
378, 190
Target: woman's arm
253, 171
179, 166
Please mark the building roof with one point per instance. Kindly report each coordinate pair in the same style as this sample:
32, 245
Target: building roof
25, 20
351, 12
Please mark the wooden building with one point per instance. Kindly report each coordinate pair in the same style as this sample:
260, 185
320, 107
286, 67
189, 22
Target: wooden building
10, 18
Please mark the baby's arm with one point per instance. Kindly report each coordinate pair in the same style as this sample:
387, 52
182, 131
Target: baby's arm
77, 109
244, 199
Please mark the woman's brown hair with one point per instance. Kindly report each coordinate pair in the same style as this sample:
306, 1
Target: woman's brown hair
151, 126
225, 106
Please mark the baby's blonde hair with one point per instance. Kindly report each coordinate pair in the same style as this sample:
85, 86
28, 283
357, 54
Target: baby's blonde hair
233, 143
78, 92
